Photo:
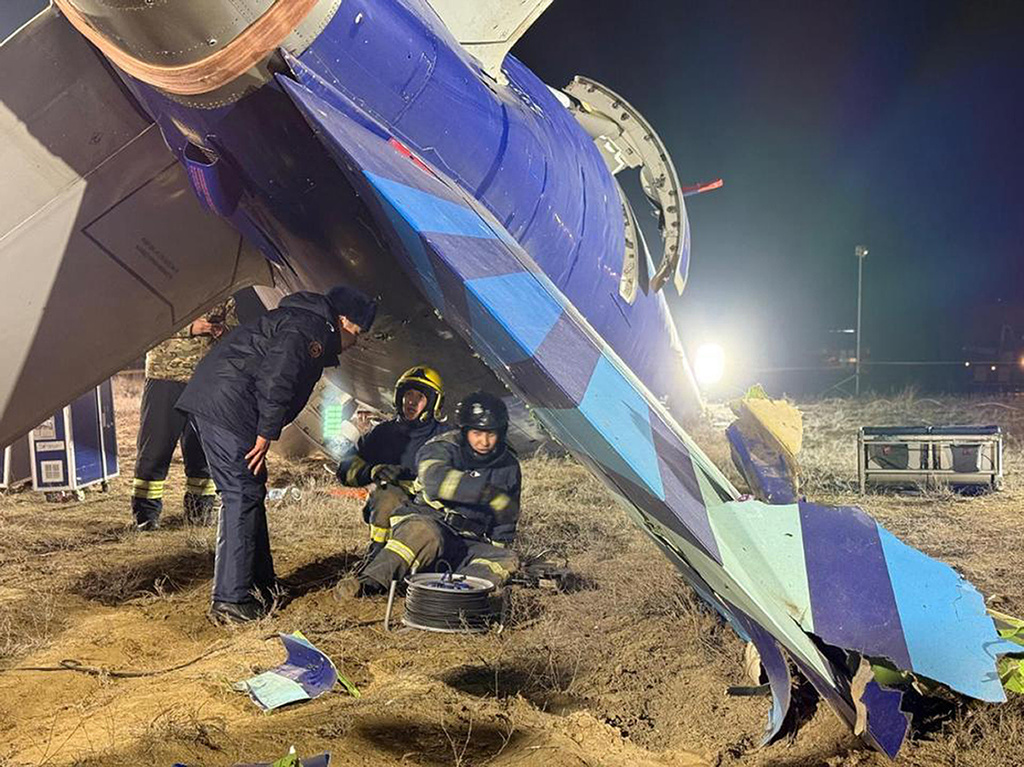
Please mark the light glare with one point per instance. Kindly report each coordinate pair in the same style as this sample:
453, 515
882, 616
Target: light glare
709, 364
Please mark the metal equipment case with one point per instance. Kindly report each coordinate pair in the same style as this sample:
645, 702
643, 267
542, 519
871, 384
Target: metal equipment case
77, 447
969, 456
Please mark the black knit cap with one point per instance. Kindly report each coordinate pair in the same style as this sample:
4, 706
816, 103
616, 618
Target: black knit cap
354, 304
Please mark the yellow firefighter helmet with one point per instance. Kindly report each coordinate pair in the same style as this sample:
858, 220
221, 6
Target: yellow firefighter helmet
426, 381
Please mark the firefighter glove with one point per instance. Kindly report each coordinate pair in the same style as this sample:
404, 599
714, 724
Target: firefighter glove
386, 473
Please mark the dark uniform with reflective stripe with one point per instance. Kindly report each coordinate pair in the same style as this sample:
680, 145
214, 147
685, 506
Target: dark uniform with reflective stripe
463, 517
395, 442
169, 366
255, 382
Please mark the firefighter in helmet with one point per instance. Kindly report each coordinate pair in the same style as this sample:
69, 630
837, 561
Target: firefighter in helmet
386, 456
466, 508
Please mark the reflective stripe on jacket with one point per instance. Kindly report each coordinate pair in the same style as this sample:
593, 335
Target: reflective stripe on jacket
482, 491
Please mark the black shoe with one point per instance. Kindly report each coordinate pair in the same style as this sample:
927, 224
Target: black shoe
200, 510
227, 613
146, 513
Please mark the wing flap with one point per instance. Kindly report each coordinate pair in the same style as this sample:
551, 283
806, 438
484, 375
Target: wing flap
103, 247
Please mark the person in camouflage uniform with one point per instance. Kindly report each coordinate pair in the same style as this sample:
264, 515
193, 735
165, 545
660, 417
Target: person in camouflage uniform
169, 366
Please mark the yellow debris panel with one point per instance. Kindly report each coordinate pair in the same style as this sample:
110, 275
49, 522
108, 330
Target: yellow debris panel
775, 418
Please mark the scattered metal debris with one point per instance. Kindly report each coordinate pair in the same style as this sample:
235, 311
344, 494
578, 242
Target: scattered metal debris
307, 673
865, 617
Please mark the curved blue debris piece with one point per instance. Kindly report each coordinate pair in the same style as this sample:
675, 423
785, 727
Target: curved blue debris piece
886, 722
767, 474
777, 669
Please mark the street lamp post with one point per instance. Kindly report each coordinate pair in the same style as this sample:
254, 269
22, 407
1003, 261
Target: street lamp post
860, 252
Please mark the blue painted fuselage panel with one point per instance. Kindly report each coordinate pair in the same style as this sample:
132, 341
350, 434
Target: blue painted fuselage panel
511, 146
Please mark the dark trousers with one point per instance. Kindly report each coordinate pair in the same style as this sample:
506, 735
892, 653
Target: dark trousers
243, 565
420, 542
382, 503
161, 427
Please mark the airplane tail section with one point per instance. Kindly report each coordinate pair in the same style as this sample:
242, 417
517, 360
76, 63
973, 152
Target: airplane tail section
104, 249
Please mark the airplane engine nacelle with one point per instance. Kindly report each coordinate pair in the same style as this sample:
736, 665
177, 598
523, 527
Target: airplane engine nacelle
203, 51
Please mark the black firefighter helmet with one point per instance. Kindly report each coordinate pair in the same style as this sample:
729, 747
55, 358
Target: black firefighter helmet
482, 411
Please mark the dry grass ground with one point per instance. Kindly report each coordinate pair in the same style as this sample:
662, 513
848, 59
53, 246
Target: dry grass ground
630, 670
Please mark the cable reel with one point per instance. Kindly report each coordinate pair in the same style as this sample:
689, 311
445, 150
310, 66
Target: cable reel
449, 603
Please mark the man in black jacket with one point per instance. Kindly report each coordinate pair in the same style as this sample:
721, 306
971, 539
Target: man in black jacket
386, 457
243, 393
465, 514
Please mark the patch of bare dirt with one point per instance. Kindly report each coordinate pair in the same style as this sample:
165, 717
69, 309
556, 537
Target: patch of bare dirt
630, 669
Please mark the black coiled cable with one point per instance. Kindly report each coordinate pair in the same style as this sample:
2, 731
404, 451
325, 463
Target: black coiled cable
447, 602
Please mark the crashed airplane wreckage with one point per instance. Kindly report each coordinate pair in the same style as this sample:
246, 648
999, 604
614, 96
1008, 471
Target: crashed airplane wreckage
396, 146
886, 621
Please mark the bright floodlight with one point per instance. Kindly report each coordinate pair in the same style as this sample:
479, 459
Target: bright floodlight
709, 364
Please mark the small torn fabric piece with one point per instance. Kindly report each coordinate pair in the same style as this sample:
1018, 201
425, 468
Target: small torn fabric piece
306, 674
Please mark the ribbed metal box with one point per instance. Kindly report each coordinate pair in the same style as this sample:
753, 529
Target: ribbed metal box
77, 446
966, 456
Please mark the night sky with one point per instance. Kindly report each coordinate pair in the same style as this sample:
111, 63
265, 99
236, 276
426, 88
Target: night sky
893, 124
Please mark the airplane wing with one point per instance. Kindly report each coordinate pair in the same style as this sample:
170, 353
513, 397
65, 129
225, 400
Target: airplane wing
104, 249
825, 585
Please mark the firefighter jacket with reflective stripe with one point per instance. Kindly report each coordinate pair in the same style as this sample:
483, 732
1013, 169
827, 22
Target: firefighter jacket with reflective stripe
476, 495
393, 442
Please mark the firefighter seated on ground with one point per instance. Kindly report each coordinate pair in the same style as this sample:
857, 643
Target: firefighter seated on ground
386, 456
466, 508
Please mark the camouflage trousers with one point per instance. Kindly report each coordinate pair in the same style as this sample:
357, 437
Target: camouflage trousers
420, 542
